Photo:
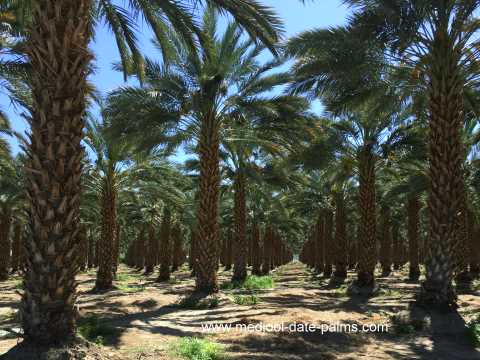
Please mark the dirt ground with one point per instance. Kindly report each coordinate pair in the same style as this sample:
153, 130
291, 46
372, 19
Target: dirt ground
147, 319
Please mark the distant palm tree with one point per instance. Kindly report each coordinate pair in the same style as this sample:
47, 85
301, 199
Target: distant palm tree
106, 180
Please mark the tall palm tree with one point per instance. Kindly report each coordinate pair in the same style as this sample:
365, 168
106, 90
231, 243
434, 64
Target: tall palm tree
196, 97
57, 47
435, 40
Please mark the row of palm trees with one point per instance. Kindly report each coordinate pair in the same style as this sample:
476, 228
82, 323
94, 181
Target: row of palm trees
400, 74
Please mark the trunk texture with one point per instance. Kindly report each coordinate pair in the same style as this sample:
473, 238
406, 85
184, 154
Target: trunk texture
58, 51
5, 243
256, 251
341, 249
106, 248
386, 243
413, 235
367, 206
151, 255
177, 247
17, 246
208, 230
91, 250
165, 247
83, 248
329, 246
240, 219
320, 243
446, 157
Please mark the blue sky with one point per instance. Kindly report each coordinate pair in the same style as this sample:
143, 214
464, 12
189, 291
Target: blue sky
297, 17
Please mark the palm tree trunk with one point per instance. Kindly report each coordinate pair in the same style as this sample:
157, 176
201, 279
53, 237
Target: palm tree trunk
91, 250
267, 249
446, 157
475, 255
165, 247
240, 219
106, 248
229, 251
397, 246
5, 243
341, 249
256, 259
413, 211
140, 252
83, 247
386, 243
208, 229
116, 250
353, 248
320, 243
329, 246
59, 57
177, 247
16, 246
463, 277
367, 208
152, 250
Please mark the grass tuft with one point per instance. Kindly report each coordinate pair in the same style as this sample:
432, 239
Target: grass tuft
246, 300
93, 329
252, 282
189, 348
198, 302
130, 288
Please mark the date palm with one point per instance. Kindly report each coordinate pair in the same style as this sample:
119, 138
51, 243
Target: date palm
436, 40
57, 47
352, 78
107, 178
195, 98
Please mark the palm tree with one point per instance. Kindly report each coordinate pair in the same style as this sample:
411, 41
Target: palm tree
196, 97
351, 77
105, 182
57, 47
248, 139
435, 40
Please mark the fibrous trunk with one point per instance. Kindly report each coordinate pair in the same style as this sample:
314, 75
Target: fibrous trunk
208, 229
116, 250
5, 243
17, 246
177, 247
413, 212
341, 249
367, 208
165, 246
83, 247
386, 242
240, 220
256, 258
152, 250
446, 156
57, 48
107, 247
319, 243
329, 246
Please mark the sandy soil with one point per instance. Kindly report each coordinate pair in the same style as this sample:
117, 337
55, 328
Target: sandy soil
146, 319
